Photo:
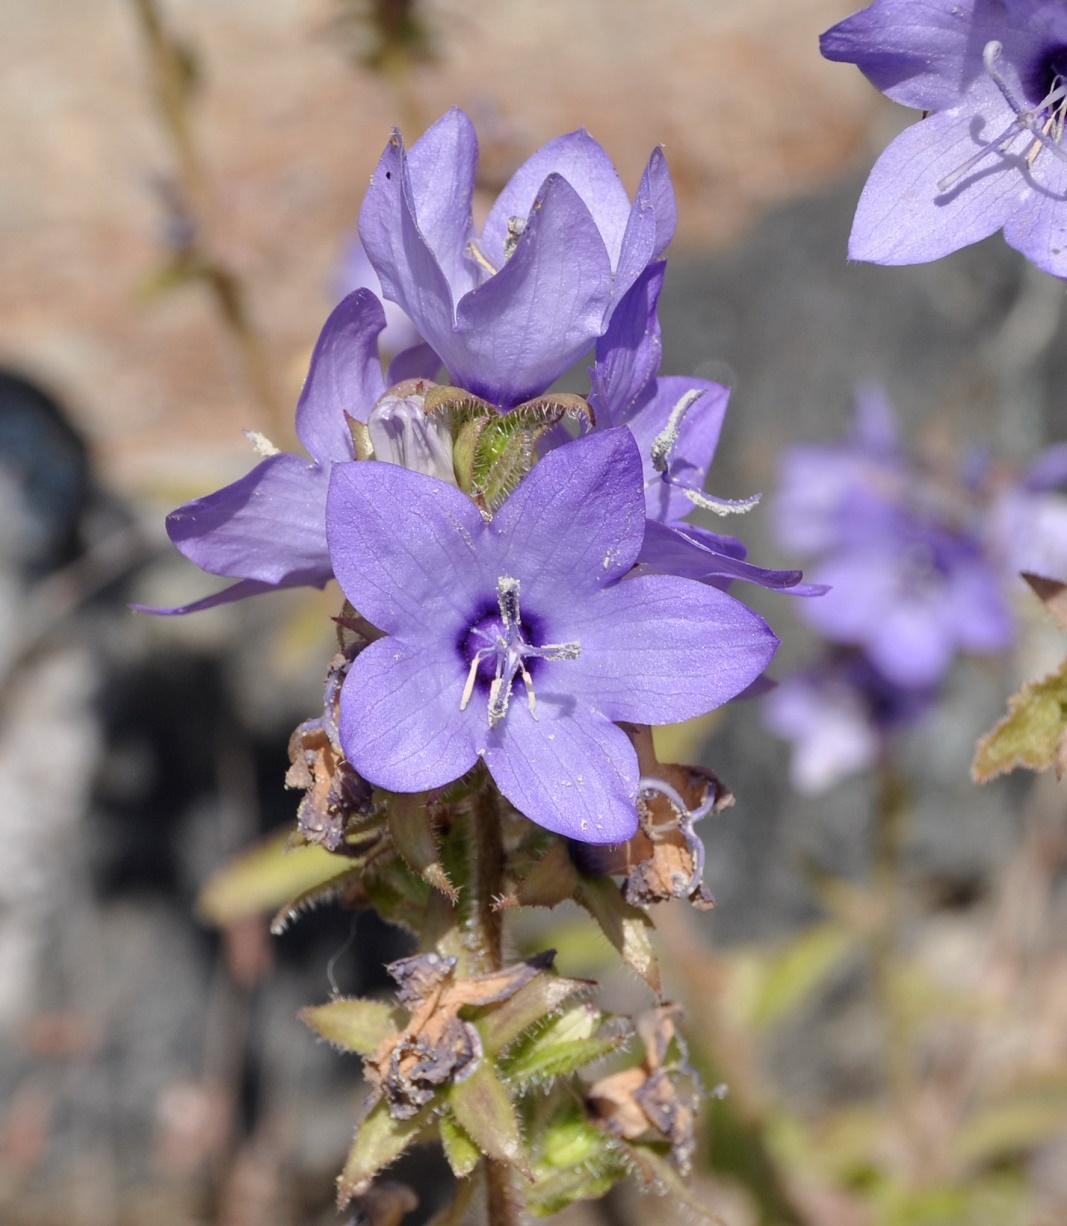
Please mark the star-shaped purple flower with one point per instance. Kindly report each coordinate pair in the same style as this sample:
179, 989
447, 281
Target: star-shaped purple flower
993, 76
839, 716
511, 308
521, 641
268, 530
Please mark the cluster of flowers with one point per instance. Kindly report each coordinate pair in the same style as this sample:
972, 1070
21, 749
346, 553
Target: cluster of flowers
482, 545
921, 567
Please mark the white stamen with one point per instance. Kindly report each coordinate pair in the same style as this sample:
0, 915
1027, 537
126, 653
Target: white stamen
665, 442
476, 254
468, 689
511, 651
261, 443
516, 228
1034, 121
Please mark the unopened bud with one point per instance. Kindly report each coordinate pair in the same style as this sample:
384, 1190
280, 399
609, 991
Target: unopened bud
401, 433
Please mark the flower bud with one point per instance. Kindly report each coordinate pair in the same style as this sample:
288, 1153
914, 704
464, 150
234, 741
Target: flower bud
401, 433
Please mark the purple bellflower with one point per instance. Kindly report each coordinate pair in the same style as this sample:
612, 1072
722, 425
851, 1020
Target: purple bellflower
511, 308
523, 640
992, 75
268, 530
355, 271
839, 716
910, 580
676, 423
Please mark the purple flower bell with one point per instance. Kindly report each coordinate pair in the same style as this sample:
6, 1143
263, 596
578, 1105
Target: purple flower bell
523, 640
510, 309
839, 715
992, 75
268, 530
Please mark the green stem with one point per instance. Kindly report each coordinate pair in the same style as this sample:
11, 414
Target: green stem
891, 819
488, 877
502, 1202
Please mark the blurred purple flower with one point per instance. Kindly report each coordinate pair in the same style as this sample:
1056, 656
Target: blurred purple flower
993, 76
911, 582
538, 595
511, 309
676, 423
1027, 521
838, 715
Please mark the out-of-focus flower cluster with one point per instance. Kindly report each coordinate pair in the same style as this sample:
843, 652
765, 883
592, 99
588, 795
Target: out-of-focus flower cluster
921, 565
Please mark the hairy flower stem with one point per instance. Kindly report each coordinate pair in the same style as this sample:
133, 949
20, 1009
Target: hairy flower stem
172, 74
890, 823
502, 1203
488, 877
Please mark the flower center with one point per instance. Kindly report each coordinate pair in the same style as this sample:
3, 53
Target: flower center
1043, 121
498, 648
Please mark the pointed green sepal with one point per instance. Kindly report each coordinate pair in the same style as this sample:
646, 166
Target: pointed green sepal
415, 839
658, 1175
380, 1139
462, 1154
626, 927
398, 895
265, 877
576, 1161
566, 1044
552, 880
530, 1005
354, 1025
484, 1110
493, 451
342, 887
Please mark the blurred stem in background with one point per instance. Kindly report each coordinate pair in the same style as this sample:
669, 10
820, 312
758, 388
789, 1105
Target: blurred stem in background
173, 71
892, 803
389, 38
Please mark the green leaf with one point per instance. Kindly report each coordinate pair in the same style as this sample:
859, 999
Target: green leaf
783, 979
484, 1110
379, 1140
416, 840
1031, 734
626, 927
1009, 1128
265, 877
356, 1025
576, 1161
562, 1047
462, 1154
531, 1004
658, 1175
